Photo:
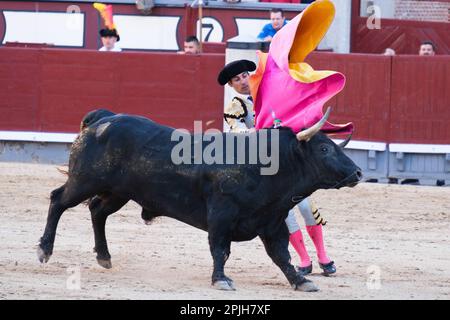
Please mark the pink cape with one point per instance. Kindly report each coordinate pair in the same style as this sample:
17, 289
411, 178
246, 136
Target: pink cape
286, 88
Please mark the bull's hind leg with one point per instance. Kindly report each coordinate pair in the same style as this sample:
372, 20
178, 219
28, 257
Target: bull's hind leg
220, 224
276, 243
66, 196
101, 208
219, 245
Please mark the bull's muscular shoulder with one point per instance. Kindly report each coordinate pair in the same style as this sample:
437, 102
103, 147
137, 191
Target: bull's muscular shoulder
240, 182
127, 131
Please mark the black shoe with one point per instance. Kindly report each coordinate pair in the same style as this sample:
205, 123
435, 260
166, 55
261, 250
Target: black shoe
305, 270
328, 268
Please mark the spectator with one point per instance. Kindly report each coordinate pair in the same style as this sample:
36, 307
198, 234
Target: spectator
109, 34
389, 52
191, 45
110, 37
277, 21
427, 48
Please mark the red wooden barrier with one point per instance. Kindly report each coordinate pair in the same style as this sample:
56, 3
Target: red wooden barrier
50, 89
400, 99
365, 98
420, 105
19, 89
404, 36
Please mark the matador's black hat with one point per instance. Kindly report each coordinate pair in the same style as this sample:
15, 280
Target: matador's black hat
233, 69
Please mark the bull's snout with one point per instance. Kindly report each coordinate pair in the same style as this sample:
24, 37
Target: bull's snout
356, 178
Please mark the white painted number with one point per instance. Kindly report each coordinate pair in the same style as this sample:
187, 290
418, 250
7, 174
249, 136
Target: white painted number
374, 19
212, 30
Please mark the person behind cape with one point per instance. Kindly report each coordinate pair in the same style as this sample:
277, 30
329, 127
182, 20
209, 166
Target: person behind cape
239, 118
238, 114
289, 91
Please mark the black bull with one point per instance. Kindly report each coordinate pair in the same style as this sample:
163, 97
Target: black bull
117, 158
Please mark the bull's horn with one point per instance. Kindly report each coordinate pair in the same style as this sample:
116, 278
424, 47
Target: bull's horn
346, 141
308, 133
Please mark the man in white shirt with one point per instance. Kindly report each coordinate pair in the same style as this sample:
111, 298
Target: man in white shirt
110, 37
239, 115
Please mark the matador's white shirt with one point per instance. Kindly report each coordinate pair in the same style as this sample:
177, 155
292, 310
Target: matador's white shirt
239, 115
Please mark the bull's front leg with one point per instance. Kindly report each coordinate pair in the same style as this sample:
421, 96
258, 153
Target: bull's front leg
67, 196
55, 211
276, 243
220, 224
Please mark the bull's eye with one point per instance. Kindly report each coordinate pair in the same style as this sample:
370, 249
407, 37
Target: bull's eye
324, 149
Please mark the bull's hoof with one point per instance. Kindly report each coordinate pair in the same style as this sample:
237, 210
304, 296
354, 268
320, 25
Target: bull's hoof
105, 263
306, 286
42, 255
147, 222
224, 285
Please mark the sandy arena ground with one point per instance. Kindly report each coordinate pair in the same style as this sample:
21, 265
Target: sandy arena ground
397, 234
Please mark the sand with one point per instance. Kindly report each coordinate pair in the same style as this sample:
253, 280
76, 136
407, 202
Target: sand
388, 242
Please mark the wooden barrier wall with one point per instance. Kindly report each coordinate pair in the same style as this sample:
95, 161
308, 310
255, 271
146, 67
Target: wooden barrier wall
51, 89
402, 99
365, 99
390, 99
404, 36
